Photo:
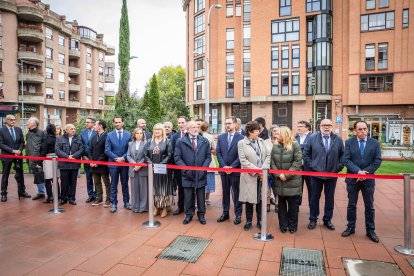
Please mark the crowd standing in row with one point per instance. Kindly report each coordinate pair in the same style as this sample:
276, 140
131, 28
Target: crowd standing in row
192, 145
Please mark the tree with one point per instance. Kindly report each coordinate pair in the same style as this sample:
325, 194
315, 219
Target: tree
153, 101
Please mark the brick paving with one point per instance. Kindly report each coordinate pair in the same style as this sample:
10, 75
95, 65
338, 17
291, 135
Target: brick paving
88, 240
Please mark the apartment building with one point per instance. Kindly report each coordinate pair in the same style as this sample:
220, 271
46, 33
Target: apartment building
58, 70
297, 60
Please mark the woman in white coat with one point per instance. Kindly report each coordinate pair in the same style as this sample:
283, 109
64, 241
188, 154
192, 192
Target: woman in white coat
253, 154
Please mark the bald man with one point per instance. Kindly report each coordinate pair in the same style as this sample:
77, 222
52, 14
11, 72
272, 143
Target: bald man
143, 124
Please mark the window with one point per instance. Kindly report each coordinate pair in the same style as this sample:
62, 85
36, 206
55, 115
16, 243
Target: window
310, 31
1, 66
199, 90
295, 56
370, 4
88, 84
101, 70
74, 44
322, 25
275, 84
229, 38
246, 60
282, 114
246, 10
376, 83
309, 87
285, 7
230, 63
49, 73
246, 35
101, 85
246, 86
61, 77
49, 33
229, 87
382, 56
87, 33
383, 3
61, 40
101, 56
88, 52
238, 9
101, 100
1, 21
199, 68
295, 83
229, 10
88, 68
199, 45
109, 71
285, 57
322, 54
313, 5
275, 57
285, 30
61, 95
198, 5
377, 21
199, 25
309, 63
323, 82
405, 18
1, 42
61, 59
88, 99
49, 53
49, 93
285, 83
242, 111
370, 57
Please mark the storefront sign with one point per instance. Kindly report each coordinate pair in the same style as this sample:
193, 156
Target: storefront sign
214, 117
407, 134
394, 134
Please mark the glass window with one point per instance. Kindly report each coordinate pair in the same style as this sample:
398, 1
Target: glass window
313, 5
229, 87
275, 57
310, 31
199, 90
322, 26
230, 63
49, 53
61, 40
322, 54
295, 56
101, 85
109, 71
383, 3
309, 90
88, 99
199, 24
101, 56
49, 73
199, 67
246, 60
1, 42
61, 94
74, 44
198, 5
199, 45
238, 9
295, 83
246, 35
377, 21
285, 7
285, 30
370, 4
309, 63
229, 10
275, 84
246, 86
101, 70
49, 92
229, 38
88, 84
285, 57
376, 83
49, 33
242, 111
246, 10
323, 80
405, 18
370, 57
88, 67
61, 58
101, 100
87, 33
383, 56
61, 77
285, 83
88, 52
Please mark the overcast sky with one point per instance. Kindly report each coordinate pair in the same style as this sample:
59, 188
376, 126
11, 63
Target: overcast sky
157, 31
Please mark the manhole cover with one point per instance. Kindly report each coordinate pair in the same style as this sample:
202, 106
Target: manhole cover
363, 267
296, 261
185, 249
411, 262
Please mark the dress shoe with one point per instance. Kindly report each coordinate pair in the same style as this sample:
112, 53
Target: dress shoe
329, 225
178, 211
3, 198
164, 212
48, 200
187, 219
113, 208
292, 231
223, 218
90, 199
283, 230
128, 206
72, 202
202, 220
97, 202
38, 196
247, 226
348, 232
276, 208
272, 201
107, 204
312, 224
237, 220
63, 202
25, 195
372, 236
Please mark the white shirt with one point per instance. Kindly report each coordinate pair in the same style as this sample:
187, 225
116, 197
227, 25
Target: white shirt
303, 138
137, 143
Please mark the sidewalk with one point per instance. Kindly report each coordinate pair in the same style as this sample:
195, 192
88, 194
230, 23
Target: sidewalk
88, 240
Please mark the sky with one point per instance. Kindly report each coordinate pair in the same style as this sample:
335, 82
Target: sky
157, 31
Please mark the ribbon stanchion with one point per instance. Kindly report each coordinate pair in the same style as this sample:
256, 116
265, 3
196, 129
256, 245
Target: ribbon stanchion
263, 235
56, 209
151, 223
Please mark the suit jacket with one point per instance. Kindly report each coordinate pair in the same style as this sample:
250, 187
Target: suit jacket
174, 138
7, 145
86, 140
302, 146
63, 149
148, 135
136, 156
370, 161
96, 151
114, 149
228, 156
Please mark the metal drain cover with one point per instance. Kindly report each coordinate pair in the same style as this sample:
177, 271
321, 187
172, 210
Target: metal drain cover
411, 262
185, 249
363, 267
297, 261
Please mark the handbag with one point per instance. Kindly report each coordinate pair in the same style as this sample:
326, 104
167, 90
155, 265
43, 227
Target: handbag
39, 176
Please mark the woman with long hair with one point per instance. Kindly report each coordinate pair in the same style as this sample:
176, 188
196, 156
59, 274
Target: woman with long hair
47, 149
273, 130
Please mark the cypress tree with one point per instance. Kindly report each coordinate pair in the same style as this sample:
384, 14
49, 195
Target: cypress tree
154, 107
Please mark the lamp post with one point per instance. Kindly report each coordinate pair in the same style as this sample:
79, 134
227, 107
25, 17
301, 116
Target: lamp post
21, 64
207, 97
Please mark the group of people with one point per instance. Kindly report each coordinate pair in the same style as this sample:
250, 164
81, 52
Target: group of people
254, 147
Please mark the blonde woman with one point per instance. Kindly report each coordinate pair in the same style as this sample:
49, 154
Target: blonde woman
158, 151
271, 199
287, 155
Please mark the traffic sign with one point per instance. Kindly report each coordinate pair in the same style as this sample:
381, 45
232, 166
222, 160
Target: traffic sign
339, 119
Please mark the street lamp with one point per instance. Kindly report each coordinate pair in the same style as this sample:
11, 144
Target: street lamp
207, 98
21, 64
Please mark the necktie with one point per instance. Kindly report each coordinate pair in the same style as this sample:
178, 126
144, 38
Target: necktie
119, 136
326, 142
229, 139
182, 133
362, 147
193, 143
12, 134
89, 134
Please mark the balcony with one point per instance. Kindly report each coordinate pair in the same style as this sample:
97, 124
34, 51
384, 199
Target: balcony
110, 92
7, 5
74, 87
31, 56
31, 77
110, 50
109, 107
110, 78
109, 64
35, 98
74, 71
74, 53
28, 13
73, 103
53, 22
1, 54
30, 33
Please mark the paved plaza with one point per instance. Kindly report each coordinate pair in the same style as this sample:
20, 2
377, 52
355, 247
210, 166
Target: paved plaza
88, 240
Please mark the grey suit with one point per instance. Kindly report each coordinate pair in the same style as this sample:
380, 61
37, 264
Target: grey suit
139, 179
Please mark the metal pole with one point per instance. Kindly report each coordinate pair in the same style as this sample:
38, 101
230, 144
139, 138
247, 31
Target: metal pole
314, 106
21, 90
56, 209
406, 249
263, 236
151, 223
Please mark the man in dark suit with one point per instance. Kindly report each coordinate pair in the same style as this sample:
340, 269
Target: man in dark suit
116, 148
193, 150
323, 153
11, 143
239, 128
362, 156
143, 124
228, 157
86, 136
302, 138
264, 133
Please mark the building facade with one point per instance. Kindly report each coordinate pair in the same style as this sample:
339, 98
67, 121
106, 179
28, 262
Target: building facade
288, 61
58, 70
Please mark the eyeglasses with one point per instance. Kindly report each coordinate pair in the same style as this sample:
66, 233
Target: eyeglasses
12, 120
300, 126
326, 125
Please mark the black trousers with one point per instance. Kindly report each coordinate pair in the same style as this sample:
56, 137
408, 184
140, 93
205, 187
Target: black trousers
249, 211
178, 182
231, 186
189, 199
368, 197
18, 167
288, 212
328, 186
306, 179
69, 179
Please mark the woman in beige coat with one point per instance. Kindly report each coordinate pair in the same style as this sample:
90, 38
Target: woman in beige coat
253, 154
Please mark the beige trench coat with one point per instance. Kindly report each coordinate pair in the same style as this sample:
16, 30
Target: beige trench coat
247, 156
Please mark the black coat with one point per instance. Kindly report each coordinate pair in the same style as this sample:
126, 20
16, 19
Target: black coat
7, 145
48, 145
96, 152
302, 146
63, 150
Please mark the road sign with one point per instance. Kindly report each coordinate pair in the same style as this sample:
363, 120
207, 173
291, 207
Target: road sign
339, 119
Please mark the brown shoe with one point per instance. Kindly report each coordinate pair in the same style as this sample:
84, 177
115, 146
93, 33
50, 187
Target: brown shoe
107, 204
164, 212
156, 211
97, 202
